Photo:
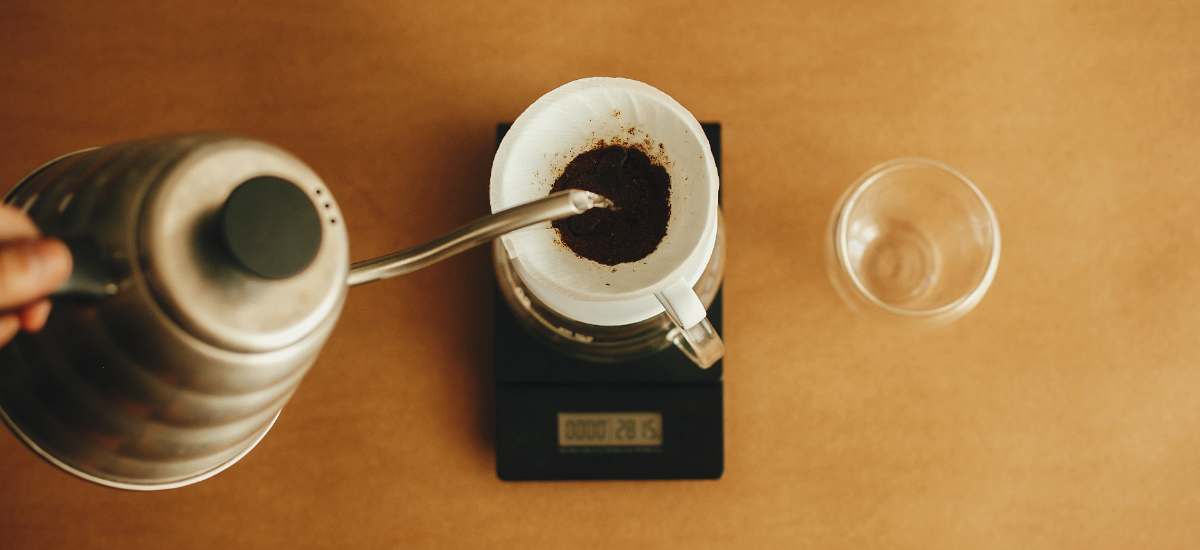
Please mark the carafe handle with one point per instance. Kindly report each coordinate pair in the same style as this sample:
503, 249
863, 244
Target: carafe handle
694, 334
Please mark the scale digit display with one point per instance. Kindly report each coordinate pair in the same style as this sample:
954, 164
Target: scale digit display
609, 429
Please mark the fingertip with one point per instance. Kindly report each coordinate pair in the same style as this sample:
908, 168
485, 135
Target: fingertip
9, 324
57, 257
31, 269
14, 224
33, 316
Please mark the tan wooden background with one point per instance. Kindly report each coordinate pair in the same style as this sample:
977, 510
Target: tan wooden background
1062, 413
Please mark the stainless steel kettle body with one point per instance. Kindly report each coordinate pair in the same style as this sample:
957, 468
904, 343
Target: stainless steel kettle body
186, 365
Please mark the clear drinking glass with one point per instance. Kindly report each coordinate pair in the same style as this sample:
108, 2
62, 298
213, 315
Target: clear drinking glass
913, 239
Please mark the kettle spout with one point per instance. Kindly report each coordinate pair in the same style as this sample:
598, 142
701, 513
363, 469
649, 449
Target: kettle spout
556, 206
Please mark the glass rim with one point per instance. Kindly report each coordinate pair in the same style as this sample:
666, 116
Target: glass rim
850, 198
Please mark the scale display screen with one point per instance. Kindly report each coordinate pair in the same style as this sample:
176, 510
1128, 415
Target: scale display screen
610, 429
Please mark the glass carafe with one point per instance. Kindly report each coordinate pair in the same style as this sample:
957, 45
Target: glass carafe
604, 344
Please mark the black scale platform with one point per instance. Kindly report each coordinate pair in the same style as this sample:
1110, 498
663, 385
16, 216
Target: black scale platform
559, 418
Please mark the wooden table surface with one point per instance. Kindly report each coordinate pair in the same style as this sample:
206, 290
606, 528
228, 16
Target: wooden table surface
1061, 413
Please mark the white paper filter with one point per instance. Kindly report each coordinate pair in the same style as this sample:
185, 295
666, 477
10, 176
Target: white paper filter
573, 119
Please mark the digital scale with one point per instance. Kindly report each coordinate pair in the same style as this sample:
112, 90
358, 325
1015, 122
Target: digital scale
561, 418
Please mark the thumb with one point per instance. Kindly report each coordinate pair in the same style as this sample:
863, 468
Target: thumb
31, 269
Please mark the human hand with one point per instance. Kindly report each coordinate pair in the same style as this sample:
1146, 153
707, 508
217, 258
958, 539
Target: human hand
31, 267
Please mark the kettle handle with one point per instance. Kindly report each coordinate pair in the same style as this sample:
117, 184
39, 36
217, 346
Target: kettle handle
91, 272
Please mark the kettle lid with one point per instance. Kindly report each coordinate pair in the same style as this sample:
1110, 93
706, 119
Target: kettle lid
270, 227
243, 246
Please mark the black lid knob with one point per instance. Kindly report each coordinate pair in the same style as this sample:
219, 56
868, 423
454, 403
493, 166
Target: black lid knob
271, 227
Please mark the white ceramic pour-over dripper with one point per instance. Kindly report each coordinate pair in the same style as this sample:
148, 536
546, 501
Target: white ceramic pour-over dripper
573, 119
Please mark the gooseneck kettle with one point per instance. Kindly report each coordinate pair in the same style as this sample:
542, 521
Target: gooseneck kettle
209, 270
